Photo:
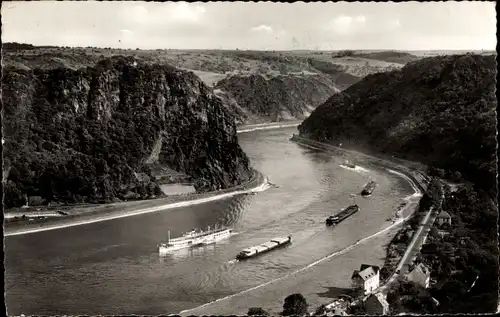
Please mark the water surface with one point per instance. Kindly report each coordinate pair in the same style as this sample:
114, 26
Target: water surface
113, 267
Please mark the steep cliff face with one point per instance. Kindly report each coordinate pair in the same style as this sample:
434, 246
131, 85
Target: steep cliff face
84, 135
276, 98
438, 110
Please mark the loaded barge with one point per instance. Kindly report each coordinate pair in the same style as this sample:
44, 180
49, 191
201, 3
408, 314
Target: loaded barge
336, 219
263, 248
369, 188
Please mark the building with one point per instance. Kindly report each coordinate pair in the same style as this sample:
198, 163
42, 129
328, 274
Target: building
443, 217
442, 233
419, 274
367, 278
337, 308
376, 304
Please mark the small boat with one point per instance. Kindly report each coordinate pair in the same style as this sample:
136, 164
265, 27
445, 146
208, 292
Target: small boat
346, 212
263, 248
194, 238
369, 188
349, 164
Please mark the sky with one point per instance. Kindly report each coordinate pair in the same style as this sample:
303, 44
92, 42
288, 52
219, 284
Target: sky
253, 26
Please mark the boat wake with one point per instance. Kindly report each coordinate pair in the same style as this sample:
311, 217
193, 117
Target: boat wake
233, 261
358, 169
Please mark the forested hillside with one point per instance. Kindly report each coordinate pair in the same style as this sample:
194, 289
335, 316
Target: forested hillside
438, 110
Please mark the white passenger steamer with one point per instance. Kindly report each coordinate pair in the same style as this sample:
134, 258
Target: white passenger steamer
194, 238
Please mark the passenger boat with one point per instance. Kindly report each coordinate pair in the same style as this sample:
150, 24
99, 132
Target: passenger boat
194, 238
263, 248
349, 164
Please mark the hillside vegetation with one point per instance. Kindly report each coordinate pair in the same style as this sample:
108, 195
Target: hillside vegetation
438, 110
299, 80
278, 98
93, 134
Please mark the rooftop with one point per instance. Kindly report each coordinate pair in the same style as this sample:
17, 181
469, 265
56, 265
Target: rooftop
444, 214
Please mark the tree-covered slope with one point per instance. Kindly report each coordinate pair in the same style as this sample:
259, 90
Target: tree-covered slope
89, 135
439, 110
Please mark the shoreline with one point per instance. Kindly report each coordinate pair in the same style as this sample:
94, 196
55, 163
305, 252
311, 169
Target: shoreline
267, 126
257, 183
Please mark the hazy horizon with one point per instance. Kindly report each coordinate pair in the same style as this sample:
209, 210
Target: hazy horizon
284, 50
408, 26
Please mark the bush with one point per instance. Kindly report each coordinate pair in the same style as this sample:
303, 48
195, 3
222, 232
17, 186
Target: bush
257, 311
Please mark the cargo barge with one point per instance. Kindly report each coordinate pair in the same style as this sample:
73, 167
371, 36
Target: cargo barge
263, 248
369, 188
336, 219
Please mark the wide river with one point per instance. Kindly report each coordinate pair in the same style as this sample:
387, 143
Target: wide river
113, 267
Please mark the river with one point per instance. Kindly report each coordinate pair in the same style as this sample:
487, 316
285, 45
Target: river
113, 267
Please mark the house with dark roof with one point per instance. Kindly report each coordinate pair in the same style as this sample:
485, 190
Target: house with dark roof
376, 304
419, 274
443, 217
367, 278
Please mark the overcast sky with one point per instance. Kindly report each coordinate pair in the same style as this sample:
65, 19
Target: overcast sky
272, 26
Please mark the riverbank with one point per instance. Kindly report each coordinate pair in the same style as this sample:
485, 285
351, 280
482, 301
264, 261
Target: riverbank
266, 126
96, 213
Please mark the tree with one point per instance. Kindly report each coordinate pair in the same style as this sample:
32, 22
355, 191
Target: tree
257, 311
321, 310
295, 304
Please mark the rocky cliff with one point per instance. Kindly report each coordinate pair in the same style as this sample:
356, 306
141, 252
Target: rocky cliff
90, 135
438, 110
265, 98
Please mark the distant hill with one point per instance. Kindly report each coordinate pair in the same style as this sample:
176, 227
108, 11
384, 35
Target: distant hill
13, 46
390, 56
438, 110
299, 80
277, 98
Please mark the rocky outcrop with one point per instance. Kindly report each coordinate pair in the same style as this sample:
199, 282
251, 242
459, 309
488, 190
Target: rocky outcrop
260, 98
82, 135
439, 110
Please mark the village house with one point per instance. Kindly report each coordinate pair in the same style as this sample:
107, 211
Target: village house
442, 233
376, 304
367, 278
337, 308
443, 217
419, 274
